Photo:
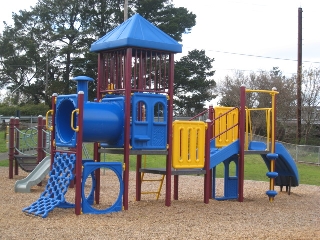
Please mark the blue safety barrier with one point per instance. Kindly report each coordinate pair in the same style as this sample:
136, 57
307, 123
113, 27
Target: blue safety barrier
89, 168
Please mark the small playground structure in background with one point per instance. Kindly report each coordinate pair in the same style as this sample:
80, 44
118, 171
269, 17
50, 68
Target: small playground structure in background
133, 115
27, 147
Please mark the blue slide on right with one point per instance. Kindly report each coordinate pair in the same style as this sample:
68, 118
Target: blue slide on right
284, 165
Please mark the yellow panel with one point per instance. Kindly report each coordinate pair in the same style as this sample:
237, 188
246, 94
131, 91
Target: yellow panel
223, 122
188, 144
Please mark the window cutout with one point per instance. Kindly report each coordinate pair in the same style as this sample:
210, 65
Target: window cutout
189, 143
197, 144
141, 112
159, 113
232, 169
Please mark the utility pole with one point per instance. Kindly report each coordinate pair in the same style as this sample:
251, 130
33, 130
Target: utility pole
46, 79
299, 75
125, 10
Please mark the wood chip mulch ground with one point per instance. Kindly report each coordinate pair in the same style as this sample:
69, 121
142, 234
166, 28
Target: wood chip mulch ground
295, 216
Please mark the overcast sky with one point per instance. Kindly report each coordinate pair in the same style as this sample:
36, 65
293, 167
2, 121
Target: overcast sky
230, 30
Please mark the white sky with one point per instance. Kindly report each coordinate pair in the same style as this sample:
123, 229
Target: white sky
243, 27
254, 27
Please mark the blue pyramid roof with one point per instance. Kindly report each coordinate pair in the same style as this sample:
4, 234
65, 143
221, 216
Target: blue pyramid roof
137, 32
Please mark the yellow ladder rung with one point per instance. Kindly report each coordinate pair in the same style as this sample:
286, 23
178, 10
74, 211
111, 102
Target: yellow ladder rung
148, 192
152, 180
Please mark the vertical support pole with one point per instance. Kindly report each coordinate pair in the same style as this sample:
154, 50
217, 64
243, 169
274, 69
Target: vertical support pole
169, 139
79, 154
44, 139
211, 117
299, 75
96, 146
127, 79
40, 139
207, 162
273, 139
97, 158
40, 152
176, 187
53, 128
242, 120
17, 143
101, 76
142, 117
138, 178
11, 146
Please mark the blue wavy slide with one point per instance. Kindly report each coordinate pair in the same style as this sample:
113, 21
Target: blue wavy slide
285, 165
34, 178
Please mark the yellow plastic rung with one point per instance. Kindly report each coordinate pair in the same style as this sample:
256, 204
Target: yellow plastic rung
152, 180
148, 192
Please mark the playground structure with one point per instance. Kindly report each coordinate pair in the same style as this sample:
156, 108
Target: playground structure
21, 145
133, 115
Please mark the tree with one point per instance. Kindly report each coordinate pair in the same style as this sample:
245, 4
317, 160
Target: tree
229, 91
59, 33
310, 100
20, 63
163, 14
193, 85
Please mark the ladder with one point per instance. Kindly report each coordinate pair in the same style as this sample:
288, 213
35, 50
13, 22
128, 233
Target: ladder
151, 180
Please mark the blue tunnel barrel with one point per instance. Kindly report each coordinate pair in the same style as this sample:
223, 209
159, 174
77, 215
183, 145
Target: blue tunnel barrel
102, 121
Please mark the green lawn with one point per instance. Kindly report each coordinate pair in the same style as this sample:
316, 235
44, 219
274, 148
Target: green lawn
255, 168
3, 147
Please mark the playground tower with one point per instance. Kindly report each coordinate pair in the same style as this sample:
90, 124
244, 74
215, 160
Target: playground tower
134, 58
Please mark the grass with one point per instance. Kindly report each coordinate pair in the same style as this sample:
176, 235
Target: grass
255, 168
3, 145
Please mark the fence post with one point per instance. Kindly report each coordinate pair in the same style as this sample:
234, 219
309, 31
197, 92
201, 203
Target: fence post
17, 143
44, 138
40, 151
11, 146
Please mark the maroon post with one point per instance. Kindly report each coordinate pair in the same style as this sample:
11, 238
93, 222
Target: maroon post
44, 138
40, 151
138, 178
207, 175
211, 117
17, 143
52, 128
128, 66
11, 147
169, 140
96, 145
242, 119
79, 154
97, 158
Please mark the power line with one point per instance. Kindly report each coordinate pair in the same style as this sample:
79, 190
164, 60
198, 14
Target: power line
258, 56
